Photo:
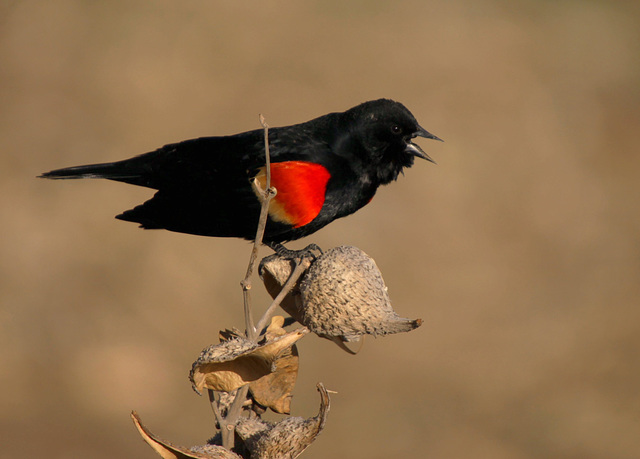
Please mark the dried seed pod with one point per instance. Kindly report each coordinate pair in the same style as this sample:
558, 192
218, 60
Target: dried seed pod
168, 450
238, 361
251, 429
341, 297
286, 439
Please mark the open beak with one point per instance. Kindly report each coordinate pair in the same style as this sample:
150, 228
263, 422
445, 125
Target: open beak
415, 150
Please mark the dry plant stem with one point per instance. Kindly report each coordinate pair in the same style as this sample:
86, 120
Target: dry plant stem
227, 424
246, 282
301, 266
267, 195
214, 406
227, 428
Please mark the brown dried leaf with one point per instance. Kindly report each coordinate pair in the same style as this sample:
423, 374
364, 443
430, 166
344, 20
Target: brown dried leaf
274, 390
275, 328
169, 451
236, 362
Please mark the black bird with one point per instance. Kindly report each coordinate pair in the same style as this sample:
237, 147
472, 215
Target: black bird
323, 169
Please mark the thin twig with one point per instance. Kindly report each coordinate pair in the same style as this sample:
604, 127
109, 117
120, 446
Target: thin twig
266, 195
236, 406
267, 153
301, 266
214, 406
227, 428
227, 423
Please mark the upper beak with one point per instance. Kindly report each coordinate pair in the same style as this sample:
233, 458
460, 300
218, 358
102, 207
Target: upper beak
415, 150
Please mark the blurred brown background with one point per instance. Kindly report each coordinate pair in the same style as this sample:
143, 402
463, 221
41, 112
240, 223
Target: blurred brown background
520, 250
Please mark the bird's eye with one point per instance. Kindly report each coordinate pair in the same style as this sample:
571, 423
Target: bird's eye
396, 129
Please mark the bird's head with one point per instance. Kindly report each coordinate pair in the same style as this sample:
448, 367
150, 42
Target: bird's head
386, 130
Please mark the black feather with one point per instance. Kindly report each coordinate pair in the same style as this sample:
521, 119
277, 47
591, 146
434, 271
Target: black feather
204, 185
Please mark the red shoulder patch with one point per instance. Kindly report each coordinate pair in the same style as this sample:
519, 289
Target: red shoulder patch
301, 188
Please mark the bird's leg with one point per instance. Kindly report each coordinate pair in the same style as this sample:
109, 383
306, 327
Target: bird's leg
311, 251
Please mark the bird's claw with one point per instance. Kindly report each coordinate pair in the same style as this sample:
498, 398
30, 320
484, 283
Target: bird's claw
311, 251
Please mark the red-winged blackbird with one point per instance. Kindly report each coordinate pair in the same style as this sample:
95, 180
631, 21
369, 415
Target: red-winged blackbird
323, 169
